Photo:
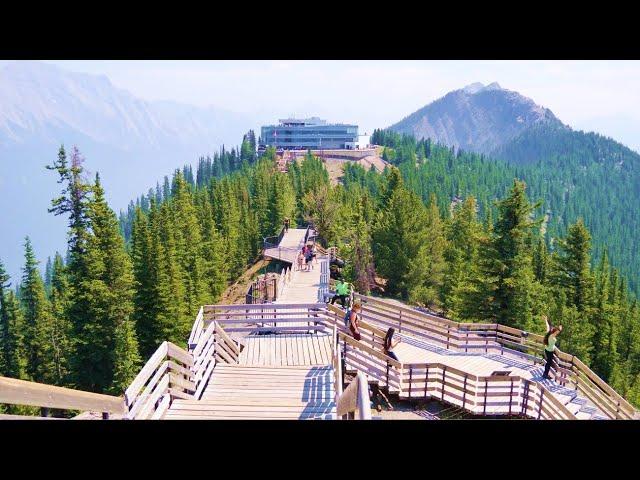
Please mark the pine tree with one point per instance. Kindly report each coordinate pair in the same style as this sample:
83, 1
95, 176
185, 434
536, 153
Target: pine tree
397, 242
427, 273
12, 362
574, 266
146, 278
464, 234
37, 318
60, 332
213, 252
126, 358
508, 265
105, 296
188, 247
604, 324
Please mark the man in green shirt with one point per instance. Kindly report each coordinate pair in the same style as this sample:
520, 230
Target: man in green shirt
342, 291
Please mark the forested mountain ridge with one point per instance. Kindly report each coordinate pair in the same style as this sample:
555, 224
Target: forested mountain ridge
476, 118
575, 172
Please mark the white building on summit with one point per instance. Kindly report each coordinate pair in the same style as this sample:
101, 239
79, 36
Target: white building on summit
312, 134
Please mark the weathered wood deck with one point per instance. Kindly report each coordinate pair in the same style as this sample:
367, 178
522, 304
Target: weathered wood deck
286, 350
262, 392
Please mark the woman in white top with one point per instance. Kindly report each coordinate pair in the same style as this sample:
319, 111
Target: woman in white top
550, 340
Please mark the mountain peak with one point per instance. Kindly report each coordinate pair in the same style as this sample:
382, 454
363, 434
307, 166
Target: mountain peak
470, 120
478, 87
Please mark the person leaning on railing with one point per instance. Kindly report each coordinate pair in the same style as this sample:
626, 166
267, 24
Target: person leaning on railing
549, 341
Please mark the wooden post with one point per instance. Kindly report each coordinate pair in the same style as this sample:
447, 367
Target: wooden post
540, 406
105, 415
410, 380
448, 337
444, 370
464, 391
426, 381
510, 396
400, 324
484, 407
387, 374
525, 398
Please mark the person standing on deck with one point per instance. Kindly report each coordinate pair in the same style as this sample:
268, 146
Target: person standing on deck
286, 225
309, 258
389, 344
549, 341
354, 321
300, 260
341, 293
349, 290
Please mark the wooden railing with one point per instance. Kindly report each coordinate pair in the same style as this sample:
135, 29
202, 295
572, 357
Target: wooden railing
494, 338
274, 240
337, 365
263, 290
172, 372
484, 395
283, 282
167, 375
22, 392
355, 399
267, 317
196, 329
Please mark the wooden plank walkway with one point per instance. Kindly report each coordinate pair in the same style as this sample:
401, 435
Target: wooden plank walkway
286, 349
288, 248
265, 392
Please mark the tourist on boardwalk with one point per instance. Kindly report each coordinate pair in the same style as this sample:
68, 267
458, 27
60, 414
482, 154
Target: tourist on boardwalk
350, 289
309, 258
389, 344
300, 259
286, 225
354, 321
341, 293
549, 345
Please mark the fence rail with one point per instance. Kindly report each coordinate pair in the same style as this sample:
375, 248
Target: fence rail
22, 392
167, 375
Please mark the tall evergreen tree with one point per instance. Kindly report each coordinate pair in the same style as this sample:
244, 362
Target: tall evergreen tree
105, 296
37, 318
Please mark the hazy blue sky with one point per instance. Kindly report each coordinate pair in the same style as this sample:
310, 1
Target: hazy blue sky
592, 95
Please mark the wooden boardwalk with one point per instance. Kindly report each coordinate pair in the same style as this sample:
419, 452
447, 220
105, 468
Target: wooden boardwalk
286, 350
237, 392
287, 365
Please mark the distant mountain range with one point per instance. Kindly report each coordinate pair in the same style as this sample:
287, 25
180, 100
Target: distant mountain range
131, 142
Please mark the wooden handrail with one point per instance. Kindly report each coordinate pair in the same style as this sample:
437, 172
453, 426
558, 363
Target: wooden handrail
355, 398
22, 392
166, 375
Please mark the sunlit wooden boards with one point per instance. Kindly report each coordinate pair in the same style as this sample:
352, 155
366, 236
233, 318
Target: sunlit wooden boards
287, 350
262, 392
